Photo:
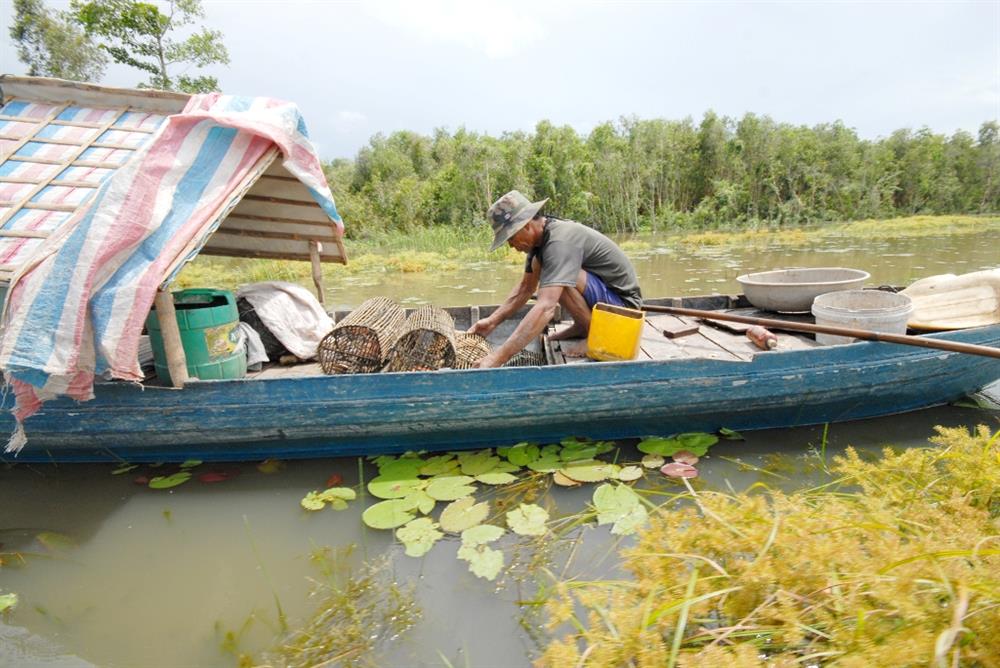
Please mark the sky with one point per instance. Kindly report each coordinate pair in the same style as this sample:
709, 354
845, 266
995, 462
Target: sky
377, 66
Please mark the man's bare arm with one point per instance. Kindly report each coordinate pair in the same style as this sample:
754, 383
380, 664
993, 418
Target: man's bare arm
528, 329
517, 298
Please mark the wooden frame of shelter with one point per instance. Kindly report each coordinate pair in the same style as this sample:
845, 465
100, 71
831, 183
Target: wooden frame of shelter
62, 125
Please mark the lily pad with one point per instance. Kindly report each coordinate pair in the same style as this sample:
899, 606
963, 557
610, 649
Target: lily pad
484, 561
168, 481
438, 465
619, 505
546, 463
523, 453
477, 463
653, 461
730, 435
419, 500
124, 468
9, 601
311, 501
588, 470
481, 534
577, 452
394, 487
419, 536
463, 514
388, 514
496, 478
191, 463
685, 457
697, 443
450, 487
528, 519
679, 470
405, 468
561, 480
630, 473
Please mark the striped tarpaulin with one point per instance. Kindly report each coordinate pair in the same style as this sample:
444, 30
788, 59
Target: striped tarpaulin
78, 309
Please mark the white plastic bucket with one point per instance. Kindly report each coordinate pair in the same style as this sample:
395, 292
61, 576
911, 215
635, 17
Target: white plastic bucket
872, 310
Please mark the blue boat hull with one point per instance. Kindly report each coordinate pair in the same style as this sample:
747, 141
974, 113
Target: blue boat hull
233, 420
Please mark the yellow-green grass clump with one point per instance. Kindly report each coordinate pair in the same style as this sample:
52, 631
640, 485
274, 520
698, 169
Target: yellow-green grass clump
896, 564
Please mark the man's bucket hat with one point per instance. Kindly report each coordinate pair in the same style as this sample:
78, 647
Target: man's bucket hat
509, 214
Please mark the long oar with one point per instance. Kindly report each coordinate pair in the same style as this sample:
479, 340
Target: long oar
950, 346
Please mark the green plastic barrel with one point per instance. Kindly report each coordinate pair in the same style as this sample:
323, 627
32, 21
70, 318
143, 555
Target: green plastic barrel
207, 319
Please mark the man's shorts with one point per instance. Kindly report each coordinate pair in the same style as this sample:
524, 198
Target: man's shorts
597, 291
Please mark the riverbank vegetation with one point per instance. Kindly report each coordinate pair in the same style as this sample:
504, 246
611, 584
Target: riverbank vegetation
442, 249
666, 175
892, 564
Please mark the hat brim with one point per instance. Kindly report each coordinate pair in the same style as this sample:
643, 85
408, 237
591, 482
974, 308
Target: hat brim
512, 228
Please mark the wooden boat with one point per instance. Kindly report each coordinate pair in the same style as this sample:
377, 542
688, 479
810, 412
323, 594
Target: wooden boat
62, 142
704, 381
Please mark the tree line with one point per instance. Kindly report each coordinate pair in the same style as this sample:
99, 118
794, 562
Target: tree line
661, 174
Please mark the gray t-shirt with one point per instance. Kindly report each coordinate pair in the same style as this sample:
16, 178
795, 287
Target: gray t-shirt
567, 247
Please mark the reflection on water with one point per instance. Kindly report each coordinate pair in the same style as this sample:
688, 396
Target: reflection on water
128, 576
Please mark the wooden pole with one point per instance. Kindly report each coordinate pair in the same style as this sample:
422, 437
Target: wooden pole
903, 339
317, 269
167, 317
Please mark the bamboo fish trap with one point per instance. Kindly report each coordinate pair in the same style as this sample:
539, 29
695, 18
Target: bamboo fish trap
361, 341
526, 358
427, 342
469, 349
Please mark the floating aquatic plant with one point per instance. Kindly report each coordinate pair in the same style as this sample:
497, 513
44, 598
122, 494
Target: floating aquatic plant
463, 514
356, 615
696, 443
388, 514
484, 561
168, 481
619, 506
528, 519
419, 536
337, 497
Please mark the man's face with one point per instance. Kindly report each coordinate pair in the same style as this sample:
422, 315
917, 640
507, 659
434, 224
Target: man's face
523, 239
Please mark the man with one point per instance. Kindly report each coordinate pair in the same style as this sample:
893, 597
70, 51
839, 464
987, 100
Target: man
568, 264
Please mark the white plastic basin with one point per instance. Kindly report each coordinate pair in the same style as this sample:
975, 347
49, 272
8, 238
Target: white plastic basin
792, 290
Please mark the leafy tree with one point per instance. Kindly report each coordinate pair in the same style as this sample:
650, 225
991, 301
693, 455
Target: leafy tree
138, 34
51, 44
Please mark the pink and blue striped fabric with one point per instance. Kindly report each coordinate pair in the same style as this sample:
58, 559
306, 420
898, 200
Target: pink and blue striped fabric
78, 309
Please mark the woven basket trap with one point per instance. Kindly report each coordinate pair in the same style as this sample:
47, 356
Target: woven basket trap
360, 342
469, 349
526, 358
427, 342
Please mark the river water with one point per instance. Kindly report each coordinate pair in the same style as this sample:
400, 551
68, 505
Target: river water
112, 573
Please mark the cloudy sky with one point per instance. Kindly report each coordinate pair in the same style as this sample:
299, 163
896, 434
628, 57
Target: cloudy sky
364, 67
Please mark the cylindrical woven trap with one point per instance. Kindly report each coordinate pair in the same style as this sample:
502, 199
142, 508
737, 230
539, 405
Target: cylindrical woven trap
427, 342
469, 349
526, 358
360, 342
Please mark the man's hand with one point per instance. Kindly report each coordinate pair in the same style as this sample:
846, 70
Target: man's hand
488, 362
482, 327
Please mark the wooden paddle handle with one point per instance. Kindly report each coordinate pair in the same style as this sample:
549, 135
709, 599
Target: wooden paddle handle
903, 339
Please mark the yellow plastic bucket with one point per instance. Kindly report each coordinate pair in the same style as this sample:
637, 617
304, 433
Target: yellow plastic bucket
614, 333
